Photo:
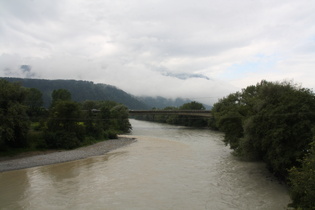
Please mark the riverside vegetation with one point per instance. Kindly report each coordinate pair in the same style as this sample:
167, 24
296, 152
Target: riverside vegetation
25, 125
274, 122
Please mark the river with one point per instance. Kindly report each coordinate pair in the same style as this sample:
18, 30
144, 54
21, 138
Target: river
169, 167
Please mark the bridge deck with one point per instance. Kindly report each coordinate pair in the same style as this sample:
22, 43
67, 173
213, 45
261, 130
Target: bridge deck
203, 113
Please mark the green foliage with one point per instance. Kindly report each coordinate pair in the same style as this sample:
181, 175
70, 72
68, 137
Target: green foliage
110, 134
69, 126
14, 123
64, 121
66, 125
62, 140
34, 103
119, 118
272, 122
302, 181
192, 106
81, 91
228, 119
36, 139
34, 98
60, 95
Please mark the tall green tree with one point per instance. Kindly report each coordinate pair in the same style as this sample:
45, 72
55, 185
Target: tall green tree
64, 128
228, 119
60, 95
192, 106
104, 119
302, 181
34, 102
195, 121
270, 121
14, 122
119, 119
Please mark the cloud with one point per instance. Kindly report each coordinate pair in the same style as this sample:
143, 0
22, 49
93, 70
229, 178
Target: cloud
26, 70
184, 76
168, 48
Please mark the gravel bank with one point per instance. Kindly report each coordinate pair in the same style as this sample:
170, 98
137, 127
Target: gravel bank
64, 156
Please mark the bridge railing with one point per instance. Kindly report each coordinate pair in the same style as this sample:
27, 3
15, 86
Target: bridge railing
204, 113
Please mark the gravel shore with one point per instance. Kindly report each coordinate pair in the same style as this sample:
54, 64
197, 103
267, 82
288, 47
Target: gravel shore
100, 148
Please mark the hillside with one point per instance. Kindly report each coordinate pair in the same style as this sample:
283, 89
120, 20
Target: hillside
81, 91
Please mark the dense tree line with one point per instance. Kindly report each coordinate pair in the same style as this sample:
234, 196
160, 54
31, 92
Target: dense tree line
274, 122
66, 124
194, 121
81, 91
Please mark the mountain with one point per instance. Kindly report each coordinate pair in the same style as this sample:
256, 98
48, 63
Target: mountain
87, 90
81, 91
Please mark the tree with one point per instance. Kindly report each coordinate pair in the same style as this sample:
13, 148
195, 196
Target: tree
192, 106
14, 123
60, 95
228, 119
64, 128
270, 122
119, 118
34, 102
302, 182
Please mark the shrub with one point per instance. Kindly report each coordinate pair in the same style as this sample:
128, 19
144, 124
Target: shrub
302, 181
61, 140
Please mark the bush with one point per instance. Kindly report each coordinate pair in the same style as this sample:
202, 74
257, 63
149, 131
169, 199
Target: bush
302, 181
36, 139
62, 140
110, 134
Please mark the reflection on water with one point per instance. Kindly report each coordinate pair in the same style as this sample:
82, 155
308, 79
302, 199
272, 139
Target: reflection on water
169, 167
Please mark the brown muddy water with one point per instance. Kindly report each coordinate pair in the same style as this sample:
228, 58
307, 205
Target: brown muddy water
169, 167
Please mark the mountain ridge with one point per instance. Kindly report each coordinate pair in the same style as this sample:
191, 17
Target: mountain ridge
82, 90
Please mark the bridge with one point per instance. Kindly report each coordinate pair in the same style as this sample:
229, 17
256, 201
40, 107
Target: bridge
202, 113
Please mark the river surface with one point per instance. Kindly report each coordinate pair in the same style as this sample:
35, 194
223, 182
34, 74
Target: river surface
169, 167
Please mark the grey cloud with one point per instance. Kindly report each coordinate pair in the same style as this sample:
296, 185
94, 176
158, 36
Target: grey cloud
8, 72
26, 68
26, 71
185, 76
30, 10
156, 42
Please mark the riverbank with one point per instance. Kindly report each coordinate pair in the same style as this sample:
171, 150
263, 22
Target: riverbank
52, 157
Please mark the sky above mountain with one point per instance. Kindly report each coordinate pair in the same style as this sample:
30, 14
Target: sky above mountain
201, 49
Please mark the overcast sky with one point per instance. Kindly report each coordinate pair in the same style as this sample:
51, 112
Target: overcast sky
201, 49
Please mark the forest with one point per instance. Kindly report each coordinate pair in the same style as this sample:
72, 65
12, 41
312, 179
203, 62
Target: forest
81, 91
25, 124
87, 90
